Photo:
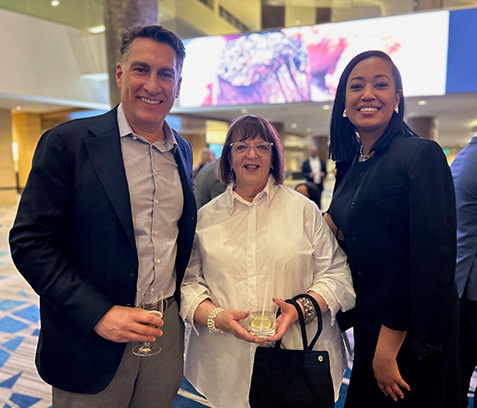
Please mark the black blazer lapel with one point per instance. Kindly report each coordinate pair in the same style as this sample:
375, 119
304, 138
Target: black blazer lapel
105, 153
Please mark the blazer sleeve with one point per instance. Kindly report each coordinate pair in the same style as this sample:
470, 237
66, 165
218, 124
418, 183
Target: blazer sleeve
466, 198
40, 237
305, 169
432, 226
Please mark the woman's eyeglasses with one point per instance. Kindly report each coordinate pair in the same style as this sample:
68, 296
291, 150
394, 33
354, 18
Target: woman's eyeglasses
242, 148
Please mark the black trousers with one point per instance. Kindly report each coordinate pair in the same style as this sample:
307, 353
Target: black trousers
467, 344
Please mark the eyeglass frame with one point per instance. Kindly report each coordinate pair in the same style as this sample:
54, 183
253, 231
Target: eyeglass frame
249, 147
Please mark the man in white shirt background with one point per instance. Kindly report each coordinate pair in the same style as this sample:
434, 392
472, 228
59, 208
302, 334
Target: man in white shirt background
314, 170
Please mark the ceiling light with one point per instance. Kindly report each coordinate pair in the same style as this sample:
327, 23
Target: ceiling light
97, 29
18, 107
422, 102
309, 130
326, 107
55, 3
293, 125
244, 110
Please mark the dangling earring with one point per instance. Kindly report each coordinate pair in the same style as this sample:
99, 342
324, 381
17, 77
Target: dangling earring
396, 109
345, 114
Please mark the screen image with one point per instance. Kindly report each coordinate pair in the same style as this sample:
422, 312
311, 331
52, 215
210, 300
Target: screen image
303, 64
462, 59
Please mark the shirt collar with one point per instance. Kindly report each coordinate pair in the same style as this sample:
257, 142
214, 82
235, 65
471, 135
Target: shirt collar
126, 130
268, 192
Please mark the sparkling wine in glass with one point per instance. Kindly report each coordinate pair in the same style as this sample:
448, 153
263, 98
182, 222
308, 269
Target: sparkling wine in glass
152, 302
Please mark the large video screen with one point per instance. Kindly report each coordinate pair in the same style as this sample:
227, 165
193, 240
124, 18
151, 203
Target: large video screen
303, 64
462, 59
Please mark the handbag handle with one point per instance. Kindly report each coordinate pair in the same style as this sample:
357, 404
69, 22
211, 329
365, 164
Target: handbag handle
301, 319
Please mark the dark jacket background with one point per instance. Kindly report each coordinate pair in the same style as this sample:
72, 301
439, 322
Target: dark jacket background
73, 241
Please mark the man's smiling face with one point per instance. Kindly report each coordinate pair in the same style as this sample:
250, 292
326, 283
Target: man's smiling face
149, 82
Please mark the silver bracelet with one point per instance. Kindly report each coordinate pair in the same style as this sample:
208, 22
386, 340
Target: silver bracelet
310, 311
211, 320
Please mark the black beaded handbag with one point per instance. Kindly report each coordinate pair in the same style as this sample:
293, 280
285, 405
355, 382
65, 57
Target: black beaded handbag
284, 378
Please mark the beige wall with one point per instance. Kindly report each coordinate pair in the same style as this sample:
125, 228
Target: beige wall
26, 132
8, 190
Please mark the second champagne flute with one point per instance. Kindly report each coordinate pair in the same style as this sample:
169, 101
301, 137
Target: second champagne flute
153, 303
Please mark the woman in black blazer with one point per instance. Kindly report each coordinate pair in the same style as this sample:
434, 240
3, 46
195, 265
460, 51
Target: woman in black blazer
393, 205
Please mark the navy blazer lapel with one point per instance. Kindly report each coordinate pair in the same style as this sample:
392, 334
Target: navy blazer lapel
186, 179
105, 153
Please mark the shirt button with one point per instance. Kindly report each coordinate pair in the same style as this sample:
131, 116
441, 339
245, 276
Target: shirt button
359, 273
156, 202
155, 232
354, 238
158, 260
132, 272
351, 204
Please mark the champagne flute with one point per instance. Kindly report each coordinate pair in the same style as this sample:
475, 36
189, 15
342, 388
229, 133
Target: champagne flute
153, 303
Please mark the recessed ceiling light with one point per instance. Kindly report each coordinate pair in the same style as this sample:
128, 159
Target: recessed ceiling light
422, 102
97, 29
326, 107
55, 3
244, 110
18, 107
309, 130
294, 125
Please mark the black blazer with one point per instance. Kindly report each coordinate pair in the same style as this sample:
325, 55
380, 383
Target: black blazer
397, 211
73, 241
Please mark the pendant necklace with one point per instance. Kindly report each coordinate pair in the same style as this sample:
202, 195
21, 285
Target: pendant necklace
364, 157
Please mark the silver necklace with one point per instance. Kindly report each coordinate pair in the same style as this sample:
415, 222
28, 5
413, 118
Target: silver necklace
364, 157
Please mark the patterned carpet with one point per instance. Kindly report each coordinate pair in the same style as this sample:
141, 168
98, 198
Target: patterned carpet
20, 385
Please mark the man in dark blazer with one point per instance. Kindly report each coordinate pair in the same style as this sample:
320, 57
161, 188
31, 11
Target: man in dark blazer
108, 214
207, 184
314, 170
464, 170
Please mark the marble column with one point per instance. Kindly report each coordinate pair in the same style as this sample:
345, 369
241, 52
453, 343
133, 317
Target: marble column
119, 15
424, 126
273, 16
323, 146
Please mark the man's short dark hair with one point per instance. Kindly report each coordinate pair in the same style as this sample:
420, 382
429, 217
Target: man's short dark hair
156, 33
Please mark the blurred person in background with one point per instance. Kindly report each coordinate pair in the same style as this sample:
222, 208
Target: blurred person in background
313, 169
206, 156
309, 190
207, 184
464, 171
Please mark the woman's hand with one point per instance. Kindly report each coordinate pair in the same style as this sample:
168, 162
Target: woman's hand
229, 321
287, 317
385, 366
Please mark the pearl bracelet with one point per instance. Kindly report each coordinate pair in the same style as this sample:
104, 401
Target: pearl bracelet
211, 320
310, 311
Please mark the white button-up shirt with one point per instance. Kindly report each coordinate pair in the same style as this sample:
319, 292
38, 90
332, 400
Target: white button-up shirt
281, 242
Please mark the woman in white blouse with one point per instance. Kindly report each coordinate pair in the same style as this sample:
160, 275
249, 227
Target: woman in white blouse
258, 234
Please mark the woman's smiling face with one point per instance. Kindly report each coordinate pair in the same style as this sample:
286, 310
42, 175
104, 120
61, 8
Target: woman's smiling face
252, 165
371, 96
